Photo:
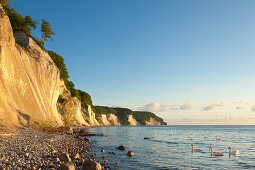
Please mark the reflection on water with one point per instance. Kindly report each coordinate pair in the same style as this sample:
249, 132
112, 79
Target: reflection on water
166, 151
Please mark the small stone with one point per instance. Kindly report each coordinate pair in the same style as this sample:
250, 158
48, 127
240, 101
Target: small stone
130, 153
69, 130
77, 156
26, 155
83, 132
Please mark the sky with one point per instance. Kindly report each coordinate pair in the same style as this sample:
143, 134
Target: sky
190, 62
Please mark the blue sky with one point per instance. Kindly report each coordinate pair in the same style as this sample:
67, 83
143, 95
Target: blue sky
158, 55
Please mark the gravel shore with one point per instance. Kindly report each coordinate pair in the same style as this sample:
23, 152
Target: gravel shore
31, 149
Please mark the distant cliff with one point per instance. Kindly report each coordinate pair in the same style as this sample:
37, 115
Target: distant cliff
33, 90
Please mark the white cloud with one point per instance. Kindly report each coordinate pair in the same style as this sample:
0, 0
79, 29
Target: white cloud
215, 106
253, 108
240, 102
156, 107
188, 105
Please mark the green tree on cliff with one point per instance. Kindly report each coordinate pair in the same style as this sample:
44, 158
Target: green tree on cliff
4, 1
46, 31
18, 21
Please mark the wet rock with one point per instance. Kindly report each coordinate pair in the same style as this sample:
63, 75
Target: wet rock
122, 148
91, 165
113, 153
130, 153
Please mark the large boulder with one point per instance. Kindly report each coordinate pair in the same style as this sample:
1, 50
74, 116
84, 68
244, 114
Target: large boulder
91, 165
64, 157
67, 166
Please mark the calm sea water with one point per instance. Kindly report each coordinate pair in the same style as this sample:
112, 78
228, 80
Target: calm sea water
174, 152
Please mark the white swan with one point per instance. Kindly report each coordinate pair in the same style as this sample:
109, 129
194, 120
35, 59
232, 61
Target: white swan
195, 150
235, 152
215, 153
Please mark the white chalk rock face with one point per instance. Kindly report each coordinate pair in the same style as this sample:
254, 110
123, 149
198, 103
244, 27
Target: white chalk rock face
152, 122
29, 81
92, 117
113, 119
104, 120
132, 121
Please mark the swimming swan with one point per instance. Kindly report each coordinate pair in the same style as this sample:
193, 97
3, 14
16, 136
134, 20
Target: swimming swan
215, 153
195, 150
236, 152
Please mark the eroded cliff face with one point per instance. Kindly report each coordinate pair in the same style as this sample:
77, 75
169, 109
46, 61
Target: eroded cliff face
29, 81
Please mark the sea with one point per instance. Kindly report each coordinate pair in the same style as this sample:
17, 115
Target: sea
169, 147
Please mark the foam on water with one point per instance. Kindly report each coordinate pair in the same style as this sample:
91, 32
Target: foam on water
174, 151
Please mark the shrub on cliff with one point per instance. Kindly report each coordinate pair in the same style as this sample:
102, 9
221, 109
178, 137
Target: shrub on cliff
59, 61
19, 22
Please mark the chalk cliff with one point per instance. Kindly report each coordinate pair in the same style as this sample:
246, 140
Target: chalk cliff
31, 90
29, 81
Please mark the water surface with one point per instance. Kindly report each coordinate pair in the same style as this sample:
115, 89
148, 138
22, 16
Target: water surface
173, 151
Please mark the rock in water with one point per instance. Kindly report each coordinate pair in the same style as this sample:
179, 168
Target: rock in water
130, 153
146, 138
91, 165
122, 148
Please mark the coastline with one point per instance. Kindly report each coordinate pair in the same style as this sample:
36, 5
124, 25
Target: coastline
31, 149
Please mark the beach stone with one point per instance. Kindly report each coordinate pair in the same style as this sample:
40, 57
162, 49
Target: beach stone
83, 132
56, 160
64, 157
122, 148
91, 165
77, 156
69, 130
26, 155
130, 153
67, 166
